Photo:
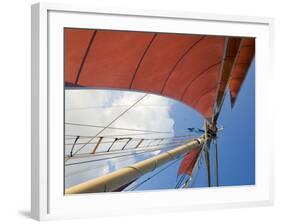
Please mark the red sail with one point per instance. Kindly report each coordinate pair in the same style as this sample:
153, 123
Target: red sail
244, 59
188, 162
183, 67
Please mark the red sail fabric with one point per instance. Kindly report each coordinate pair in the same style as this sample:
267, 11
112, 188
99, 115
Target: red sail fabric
182, 67
244, 59
75, 46
188, 162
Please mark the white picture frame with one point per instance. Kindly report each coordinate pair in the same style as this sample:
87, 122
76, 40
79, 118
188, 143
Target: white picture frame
48, 201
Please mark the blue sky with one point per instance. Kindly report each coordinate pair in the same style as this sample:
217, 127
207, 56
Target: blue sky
236, 142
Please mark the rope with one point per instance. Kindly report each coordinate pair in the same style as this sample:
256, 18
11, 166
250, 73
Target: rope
134, 154
120, 115
197, 165
145, 148
120, 141
183, 176
122, 129
121, 160
149, 178
114, 136
112, 106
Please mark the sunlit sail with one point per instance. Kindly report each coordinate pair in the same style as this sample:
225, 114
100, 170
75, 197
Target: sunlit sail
157, 69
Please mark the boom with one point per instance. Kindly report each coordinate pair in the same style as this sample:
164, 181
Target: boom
115, 180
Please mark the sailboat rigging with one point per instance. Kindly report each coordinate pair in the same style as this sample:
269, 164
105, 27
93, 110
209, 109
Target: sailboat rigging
196, 70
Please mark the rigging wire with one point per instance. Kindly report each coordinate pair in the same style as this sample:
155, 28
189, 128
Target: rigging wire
115, 119
198, 164
193, 180
155, 174
133, 154
145, 148
114, 136
121, 160
120, 141
109, 136
181, 180
195, 168
122, 129
112, 106
215, 145
117, 135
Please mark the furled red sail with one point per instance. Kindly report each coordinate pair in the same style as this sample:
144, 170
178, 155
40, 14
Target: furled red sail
183, 67
188, 162
243, 62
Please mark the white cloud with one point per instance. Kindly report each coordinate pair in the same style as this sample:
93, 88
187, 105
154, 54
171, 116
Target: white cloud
100, 107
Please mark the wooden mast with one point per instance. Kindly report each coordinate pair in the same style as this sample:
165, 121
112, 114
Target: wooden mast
217, 163
126, 175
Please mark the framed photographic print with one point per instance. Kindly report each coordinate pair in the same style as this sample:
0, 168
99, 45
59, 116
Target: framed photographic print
149, 110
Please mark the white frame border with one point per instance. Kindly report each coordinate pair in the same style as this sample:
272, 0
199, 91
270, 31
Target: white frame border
40, 101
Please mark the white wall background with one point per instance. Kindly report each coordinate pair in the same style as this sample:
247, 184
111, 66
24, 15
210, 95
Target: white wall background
15, 110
